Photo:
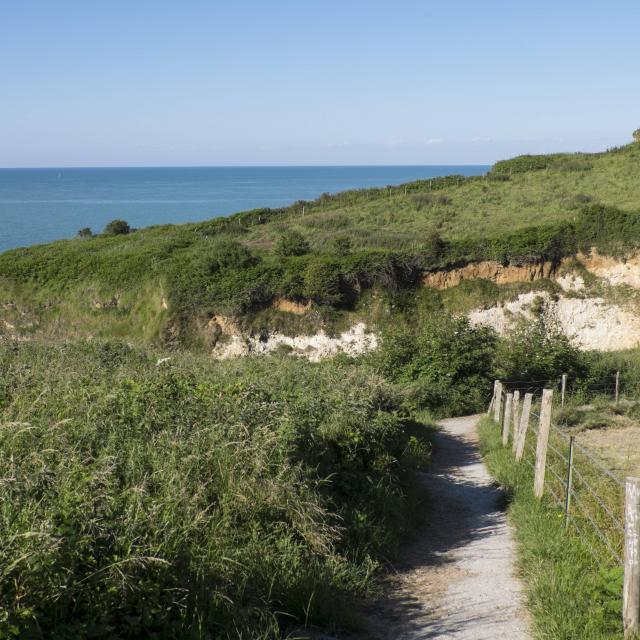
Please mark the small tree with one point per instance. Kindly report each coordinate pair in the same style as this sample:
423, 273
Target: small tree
636, 135
117, 228
85, 232
292, 243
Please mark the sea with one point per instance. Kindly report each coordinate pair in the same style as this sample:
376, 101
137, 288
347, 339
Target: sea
41, 205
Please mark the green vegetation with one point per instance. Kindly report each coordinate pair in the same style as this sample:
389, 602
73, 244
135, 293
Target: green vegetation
569, 595
446, 366
117, 228
329, 251
182, 497
192, 498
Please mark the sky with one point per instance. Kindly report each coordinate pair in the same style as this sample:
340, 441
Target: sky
275, 82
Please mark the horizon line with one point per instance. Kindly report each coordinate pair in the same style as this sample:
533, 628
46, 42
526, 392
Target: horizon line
236, 166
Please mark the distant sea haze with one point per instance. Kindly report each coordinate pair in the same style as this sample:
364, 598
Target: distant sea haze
41, 205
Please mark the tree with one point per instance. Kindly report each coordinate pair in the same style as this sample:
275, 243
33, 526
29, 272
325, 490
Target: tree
85, 232
636, 135
292, 243
117, 228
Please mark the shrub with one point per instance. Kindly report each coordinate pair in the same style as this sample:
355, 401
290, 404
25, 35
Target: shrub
342, 246
322, 283
117, 228
85, 232
447, 366
228, 254
636, 135
292, 243
539, 352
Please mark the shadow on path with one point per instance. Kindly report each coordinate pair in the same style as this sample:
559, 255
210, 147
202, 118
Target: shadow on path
450, 582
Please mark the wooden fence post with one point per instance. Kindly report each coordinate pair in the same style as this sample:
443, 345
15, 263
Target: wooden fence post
567, 501
543, 441
564, 388
631, 589
617, 386
506, 421
498, 404
493, 397
523, 427
515, 412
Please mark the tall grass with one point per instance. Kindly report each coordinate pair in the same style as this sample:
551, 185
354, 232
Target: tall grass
189, 498
570, 595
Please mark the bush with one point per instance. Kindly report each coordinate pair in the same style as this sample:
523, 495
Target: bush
228, 254
117, 228
539, 352
292, 243
342, 246
85, 232
636, 135
322, 283
447, 366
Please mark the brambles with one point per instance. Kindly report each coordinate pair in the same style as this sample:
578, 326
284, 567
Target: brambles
228, 254
443, 365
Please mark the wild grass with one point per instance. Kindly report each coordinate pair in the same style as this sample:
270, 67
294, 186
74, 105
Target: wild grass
569, 594
191, 498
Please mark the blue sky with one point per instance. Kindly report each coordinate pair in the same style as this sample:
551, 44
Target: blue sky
141, 82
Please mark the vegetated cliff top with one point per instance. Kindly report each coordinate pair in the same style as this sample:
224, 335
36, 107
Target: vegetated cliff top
525, 208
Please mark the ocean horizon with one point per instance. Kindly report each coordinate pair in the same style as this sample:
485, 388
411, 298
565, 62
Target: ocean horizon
40, 205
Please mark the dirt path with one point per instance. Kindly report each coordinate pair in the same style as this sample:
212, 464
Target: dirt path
457, 580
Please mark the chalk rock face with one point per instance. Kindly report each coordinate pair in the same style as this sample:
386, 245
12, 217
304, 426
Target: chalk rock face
615, 272
316, 347
590, 323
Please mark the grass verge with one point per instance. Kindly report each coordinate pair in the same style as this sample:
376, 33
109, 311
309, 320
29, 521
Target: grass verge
569, 594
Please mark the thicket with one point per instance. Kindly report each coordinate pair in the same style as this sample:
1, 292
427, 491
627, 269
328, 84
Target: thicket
189, 498
445, 366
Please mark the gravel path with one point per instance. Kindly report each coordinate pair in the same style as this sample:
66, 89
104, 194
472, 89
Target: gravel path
457, 580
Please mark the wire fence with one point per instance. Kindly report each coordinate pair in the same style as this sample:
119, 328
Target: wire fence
588, 493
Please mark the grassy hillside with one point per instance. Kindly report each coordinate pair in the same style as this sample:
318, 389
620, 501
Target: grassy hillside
161, 284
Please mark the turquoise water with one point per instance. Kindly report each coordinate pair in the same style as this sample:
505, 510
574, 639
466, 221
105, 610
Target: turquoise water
40, 205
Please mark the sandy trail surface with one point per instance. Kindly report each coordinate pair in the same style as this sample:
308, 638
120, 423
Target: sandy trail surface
456, 580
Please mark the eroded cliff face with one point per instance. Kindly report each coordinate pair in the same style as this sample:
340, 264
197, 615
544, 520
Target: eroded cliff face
353, 342
590, 323
615, 271
488, 270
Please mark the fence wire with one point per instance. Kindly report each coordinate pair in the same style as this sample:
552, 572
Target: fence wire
593, 505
